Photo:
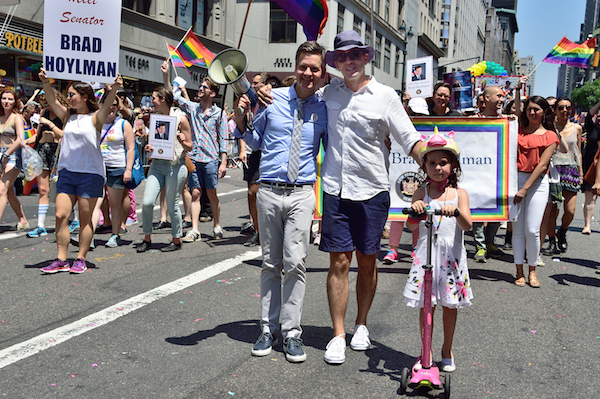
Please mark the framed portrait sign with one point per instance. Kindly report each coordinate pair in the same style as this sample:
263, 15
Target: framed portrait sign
162, 136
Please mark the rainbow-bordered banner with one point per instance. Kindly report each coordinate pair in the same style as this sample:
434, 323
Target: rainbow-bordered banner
319, 185
488, 156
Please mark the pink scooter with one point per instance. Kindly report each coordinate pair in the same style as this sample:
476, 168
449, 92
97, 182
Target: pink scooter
428, 377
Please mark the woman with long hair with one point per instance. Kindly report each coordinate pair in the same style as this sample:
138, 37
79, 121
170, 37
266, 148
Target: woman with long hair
570, 171
48, 134
592, 128
12, 136
537, 141
170, 174
81, 173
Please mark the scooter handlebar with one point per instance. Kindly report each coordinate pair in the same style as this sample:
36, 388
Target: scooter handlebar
411, 213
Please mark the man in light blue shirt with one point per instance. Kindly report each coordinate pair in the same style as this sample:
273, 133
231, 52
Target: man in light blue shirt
289, 134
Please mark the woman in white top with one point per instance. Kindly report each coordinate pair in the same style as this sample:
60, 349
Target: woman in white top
117, 135
12, 135
81, 173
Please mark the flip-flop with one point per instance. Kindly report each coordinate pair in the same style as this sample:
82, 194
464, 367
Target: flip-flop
520, 281
533, 280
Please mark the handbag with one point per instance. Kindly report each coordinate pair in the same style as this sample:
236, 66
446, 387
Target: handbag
189, 164
137, 171
590, 175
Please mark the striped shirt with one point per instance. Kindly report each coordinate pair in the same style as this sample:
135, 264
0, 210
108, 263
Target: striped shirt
209, 131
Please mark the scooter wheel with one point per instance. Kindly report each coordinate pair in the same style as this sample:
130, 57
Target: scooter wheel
404, 381
447, 386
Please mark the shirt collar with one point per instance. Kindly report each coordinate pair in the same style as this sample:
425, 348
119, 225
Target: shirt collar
293, 95
368, 87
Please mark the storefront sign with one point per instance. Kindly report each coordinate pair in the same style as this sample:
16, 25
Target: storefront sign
22, 42
81, 39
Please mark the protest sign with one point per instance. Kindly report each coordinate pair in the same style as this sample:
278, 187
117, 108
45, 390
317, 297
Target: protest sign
462, 91
81, 39
488, 158
419, 77
163, 132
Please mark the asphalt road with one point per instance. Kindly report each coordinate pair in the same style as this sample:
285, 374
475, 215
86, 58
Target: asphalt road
181, 324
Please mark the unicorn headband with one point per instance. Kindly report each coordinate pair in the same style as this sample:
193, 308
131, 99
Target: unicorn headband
438, 141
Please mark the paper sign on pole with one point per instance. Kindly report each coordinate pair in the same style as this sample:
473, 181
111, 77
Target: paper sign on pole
419, 77
81, 39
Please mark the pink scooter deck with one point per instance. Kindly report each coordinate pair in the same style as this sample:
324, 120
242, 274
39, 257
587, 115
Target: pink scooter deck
429, 378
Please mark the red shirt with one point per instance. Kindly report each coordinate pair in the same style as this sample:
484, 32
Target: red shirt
530, 148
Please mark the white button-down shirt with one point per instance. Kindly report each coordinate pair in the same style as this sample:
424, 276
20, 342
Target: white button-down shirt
357, 160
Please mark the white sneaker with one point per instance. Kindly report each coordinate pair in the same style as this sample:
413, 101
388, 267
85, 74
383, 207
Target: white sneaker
191, 236
360, 341
335, 352
540, 261
217, 233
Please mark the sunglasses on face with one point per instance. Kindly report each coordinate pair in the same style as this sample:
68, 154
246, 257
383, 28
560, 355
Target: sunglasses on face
204, 87
352, 54
69, 95
564, 107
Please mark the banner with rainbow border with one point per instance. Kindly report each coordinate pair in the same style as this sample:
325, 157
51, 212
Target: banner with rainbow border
488, 148
319, 185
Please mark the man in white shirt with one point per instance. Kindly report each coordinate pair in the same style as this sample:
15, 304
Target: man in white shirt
362, 114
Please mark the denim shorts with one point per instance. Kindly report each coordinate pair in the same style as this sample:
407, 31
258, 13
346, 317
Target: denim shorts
349, 225
84, 185
14, 159
114, 178
206, 175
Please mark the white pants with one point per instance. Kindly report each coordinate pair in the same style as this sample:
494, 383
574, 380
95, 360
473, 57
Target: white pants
526, 230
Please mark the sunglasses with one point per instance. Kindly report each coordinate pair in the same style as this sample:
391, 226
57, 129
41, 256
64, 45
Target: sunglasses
69, 95
564, 107
354, 55
204, 87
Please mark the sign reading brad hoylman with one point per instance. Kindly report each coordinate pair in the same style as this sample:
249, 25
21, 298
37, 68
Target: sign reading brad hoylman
81, 39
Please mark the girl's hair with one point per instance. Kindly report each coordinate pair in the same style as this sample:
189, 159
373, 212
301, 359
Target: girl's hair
85, 89
457, 171
58, 95
18, 104
165, 94
547, 118
507, 107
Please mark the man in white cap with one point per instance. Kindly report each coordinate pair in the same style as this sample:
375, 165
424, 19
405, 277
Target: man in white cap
362, 114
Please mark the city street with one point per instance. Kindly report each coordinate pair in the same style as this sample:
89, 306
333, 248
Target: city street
182, 324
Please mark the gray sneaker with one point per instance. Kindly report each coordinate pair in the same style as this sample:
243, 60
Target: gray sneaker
114, 241
263, 345
294, 351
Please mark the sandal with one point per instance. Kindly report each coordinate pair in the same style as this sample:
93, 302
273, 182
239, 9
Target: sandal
520, 281
533, 280
586, 232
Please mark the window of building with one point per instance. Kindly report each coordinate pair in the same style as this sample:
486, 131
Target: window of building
367, 35
141, 6
386, 10
340, 18
357, 26
282, 27
376, 6
387, 54
397, 62
377, 58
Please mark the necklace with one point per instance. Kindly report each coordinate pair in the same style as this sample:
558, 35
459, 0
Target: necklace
436, 228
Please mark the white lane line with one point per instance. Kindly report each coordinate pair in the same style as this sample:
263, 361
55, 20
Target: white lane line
59, 335
7, 236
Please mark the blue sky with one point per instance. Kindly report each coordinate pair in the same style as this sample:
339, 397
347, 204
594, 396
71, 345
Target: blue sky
542, 23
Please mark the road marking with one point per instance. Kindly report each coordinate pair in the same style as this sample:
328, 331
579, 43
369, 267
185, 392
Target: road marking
59, 335
7, 236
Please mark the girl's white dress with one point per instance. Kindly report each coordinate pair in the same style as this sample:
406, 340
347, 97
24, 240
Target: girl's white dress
451, 282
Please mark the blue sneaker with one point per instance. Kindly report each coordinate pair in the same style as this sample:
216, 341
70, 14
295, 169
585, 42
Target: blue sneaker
263, 345
114, 241
294, 352
37, 232
73, 226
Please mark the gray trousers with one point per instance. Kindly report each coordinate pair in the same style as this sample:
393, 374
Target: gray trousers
484, 235
285, 218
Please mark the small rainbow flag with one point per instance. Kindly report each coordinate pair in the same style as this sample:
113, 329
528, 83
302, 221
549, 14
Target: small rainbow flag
311, 14
573, 54
176, 57
192, 51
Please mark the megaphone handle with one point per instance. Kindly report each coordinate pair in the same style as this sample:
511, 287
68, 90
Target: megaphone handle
249, 119
252, 96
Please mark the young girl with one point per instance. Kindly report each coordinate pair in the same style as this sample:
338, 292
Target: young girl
451, 283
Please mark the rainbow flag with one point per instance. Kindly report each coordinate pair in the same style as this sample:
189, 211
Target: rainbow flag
176, 57
192, 51
573, 54
311, 14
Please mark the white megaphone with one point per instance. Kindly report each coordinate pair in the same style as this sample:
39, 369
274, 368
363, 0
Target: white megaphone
229, 68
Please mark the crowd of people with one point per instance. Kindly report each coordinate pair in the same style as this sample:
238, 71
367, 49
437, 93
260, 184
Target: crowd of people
88, 139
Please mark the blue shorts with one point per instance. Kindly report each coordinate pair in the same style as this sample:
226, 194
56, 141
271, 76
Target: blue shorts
349, 225
14, 159
114, 178
84, 185
206, 175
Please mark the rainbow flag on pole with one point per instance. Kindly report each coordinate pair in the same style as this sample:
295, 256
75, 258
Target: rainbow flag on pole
176, 57
311, 14
192, 51
573, 54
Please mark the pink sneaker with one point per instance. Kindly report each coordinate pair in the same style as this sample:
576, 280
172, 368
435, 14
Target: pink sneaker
56, 266
79, 266
390, 257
